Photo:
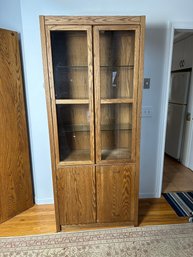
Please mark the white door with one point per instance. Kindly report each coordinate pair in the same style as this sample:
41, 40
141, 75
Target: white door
179, 87
187, 147
191, 158
174, 130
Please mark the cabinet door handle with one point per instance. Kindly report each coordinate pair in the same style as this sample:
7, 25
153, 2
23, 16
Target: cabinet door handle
188, 116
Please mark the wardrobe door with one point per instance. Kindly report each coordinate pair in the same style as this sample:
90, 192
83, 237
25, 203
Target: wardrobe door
71, 88
116, 62
115, 193
76, 195
15, 175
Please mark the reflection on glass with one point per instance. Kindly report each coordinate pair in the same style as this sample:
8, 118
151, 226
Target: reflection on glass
70, 64
116, 131
73, 132
116, 63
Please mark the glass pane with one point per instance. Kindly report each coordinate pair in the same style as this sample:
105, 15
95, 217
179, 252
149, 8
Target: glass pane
70, 64
73, 132
116, 63
116, 131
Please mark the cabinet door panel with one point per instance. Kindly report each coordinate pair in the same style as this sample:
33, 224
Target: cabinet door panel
116, 65
71, 88
76, 195
115, 193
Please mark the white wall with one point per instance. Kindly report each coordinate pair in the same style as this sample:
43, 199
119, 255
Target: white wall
10, 15
158, 13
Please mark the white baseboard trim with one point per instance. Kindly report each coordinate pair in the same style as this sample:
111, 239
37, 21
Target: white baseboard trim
147, 195
44, 200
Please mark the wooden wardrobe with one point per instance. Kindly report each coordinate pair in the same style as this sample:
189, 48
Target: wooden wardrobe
93, 74
15, 173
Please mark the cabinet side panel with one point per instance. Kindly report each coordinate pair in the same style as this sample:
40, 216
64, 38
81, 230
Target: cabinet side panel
115, 193
138, 127
48, 101
76, 195
15, 174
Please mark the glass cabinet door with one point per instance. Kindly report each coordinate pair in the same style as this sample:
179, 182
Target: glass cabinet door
70, 64
71, 59
115, 63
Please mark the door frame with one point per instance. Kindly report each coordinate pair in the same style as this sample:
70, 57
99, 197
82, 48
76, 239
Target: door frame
171, 27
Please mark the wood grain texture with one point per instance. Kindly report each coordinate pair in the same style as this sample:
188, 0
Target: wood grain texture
115, 193
115, 48
94, 226
51, 91
138, 119
40, 219
157, 211
76, 195
91, 93
116, 101
114, 44
92, 20
74, 41
15, 171
176, 177
49, 112
72, 101
96, 54
136, 87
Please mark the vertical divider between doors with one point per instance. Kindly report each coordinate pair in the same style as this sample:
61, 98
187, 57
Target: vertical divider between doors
91, 105
97, 92
97, 107
94, 118
90, 81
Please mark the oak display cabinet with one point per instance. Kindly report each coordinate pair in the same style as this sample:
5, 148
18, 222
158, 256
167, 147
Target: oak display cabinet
93, 70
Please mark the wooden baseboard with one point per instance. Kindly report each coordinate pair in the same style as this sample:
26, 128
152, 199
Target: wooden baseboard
66, 228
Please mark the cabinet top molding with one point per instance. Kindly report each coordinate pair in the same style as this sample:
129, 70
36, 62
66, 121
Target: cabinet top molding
92, 20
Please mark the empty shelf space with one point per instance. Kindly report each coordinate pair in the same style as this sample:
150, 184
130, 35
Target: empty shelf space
76, 155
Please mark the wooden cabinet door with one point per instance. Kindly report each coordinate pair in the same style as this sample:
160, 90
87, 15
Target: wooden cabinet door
115, 193
116, 65
15, 175
76, 195
71, 87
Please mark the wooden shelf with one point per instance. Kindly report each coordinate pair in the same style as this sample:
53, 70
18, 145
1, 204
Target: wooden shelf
115, 67
117, 101
115, 154
86, 101
104, 127
72, 101
74, 67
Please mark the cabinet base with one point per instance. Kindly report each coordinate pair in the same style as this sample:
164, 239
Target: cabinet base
93, 226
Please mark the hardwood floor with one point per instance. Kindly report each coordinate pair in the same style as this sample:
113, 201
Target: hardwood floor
40, 219
176, 177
